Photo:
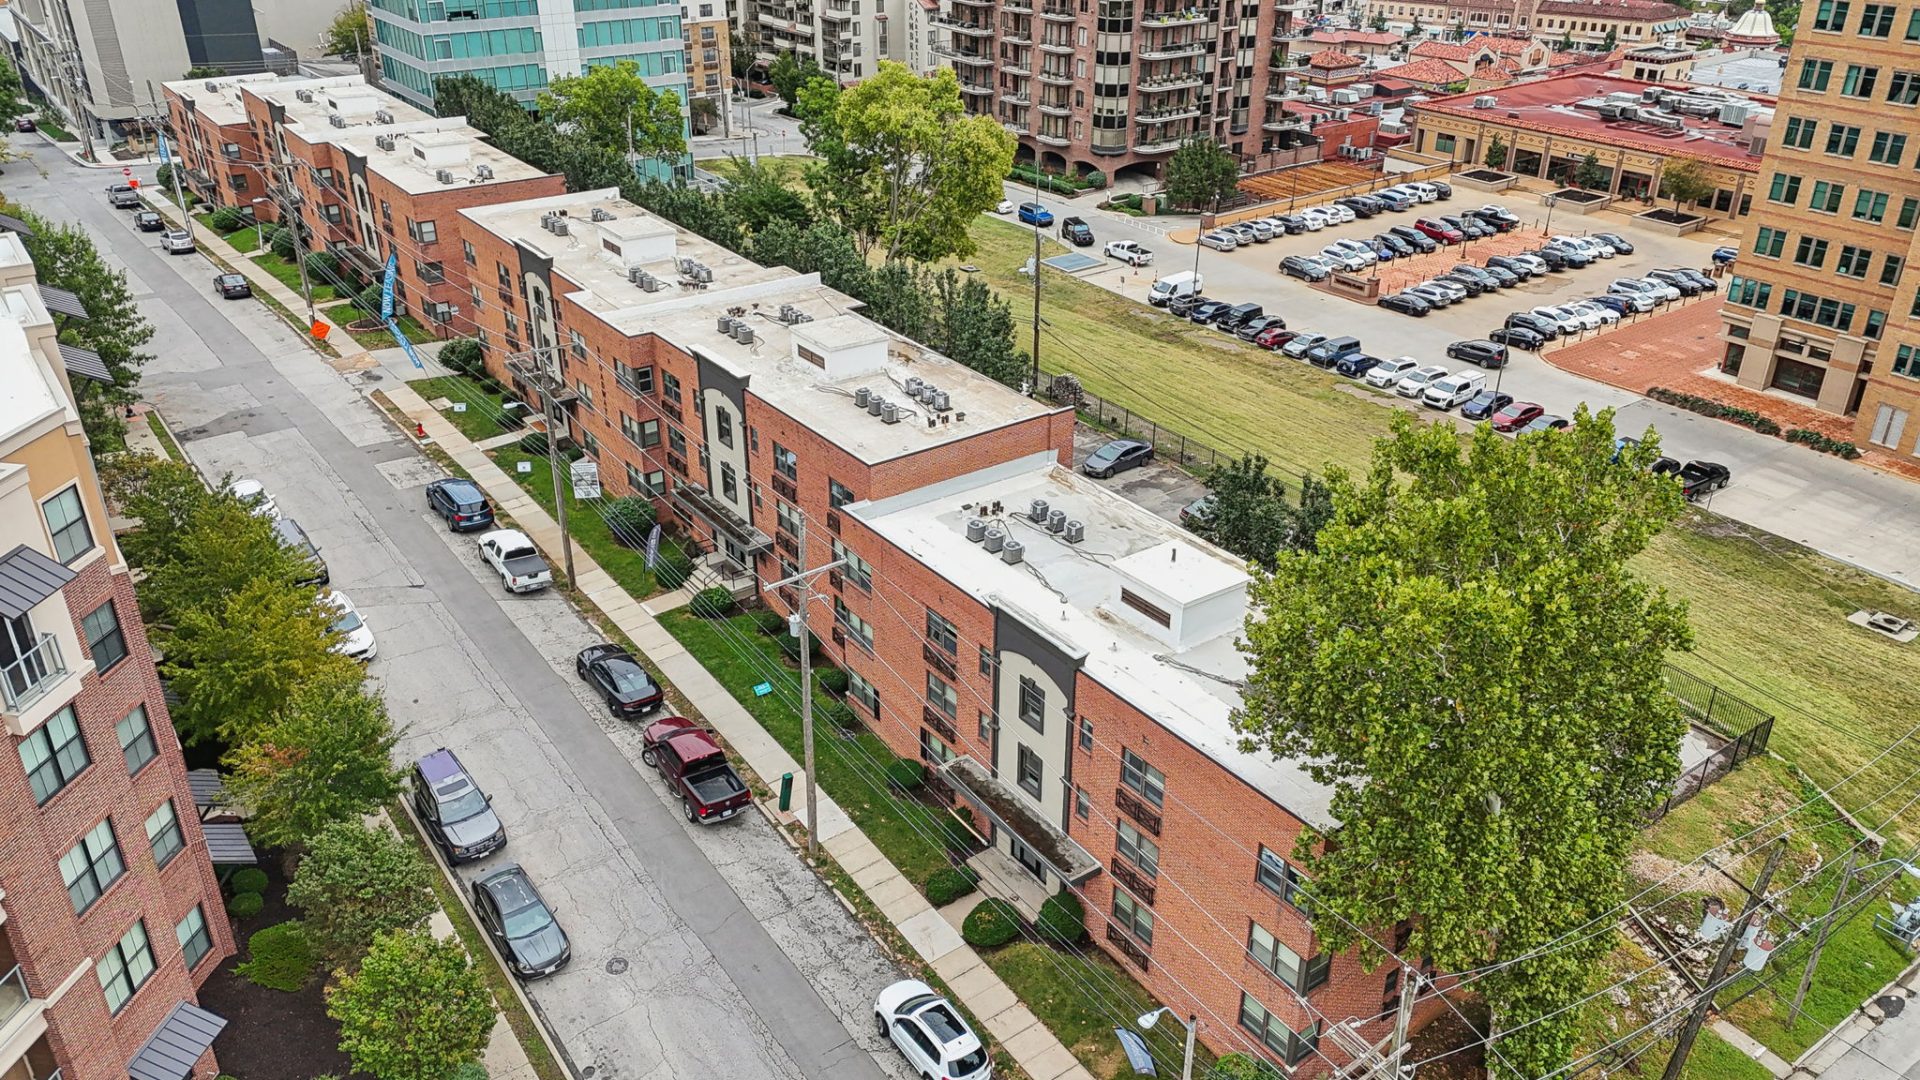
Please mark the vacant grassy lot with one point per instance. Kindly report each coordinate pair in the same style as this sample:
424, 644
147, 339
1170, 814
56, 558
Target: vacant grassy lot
288, 274
787, 167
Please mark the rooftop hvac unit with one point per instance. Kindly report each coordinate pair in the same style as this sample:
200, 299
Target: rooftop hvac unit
483, 171
336, 120
634, 274
1611, 112
1057, 521
976, 530
1735, 113
724, 324
874, 404
445, 176
1485, 101
382, 116
1365, 90
304, 95
1664, 121
914, 383
889, 413
1076, 532
1037, 510
743, 332
384, 142
1012, 551
559, 222
861, 397
994, 540
651, 283
1652, 95
941, 403
601, 213
213, 87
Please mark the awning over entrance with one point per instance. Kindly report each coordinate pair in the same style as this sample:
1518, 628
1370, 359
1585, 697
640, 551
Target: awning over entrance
227, 845
700, 502
85, 363
1011, 811
209, 793
62, 302
176, 1044
26, 578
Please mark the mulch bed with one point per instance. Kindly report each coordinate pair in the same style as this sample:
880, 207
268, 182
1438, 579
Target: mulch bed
1449, 1035
272, 1035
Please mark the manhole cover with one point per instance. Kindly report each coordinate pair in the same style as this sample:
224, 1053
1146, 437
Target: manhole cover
617, 966
1892, 1005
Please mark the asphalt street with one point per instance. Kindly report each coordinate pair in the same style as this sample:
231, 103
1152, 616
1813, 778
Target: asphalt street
698, 953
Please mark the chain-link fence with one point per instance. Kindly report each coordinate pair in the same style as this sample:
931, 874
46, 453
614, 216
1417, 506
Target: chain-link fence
1168, 445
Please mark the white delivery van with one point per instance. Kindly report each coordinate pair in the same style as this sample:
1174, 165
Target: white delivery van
1456, 389
1173, 287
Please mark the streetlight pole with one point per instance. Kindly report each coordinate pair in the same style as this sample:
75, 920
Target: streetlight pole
797, 626
1191, 1023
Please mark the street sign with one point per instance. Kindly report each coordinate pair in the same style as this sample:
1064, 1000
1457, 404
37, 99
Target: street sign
586, 479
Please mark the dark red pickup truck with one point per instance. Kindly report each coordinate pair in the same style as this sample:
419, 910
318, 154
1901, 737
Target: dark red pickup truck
697, 769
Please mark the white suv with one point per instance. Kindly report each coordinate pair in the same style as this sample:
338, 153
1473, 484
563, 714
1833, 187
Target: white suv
1388, 372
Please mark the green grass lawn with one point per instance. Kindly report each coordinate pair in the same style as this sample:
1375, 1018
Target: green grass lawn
1082, 997
244, 240
288, 274
1607, 1019
166, 437
384, 339
482, 418
850, 770
788, 167
45, 122
627, 566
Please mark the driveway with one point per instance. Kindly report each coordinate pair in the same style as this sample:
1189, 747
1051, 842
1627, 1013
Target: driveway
1161, 488
698, 953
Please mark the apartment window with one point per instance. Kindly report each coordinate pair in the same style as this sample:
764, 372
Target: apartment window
651, 483
670, 387
1853, 261
1086, 735
1859, 81
1785, 189
1890, 270
1143, 778
1876, 322
1842, 139
1288, 966
125, 967
1768, 241
787, 518
67, 525
853, 624
1810, 252
1133, 916
1832, 15
386, 214
787, 463
1913, 26
857, 570
1028, 772
942, 633
91, 866
1277, 876
1826, 197
238, 180
1814, 74
723, 427
136, 739
729, 483
1867, 205
503, 277
1876, 20
940, 695
1819, 310
1276, 1036
106, 643
331, 212
53, 754
644, 434
1082, 806
638, 380
325, 177
425, 232
163, 834
838, 494
1888, 148
195, 941
862, 691
1904, 87
1799, 132
1137, 848
466, 253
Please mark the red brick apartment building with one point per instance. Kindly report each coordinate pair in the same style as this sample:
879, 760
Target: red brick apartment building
1073, 696
367, 174
110, 914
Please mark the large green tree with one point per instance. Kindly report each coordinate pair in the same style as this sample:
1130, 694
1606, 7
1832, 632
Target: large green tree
347, 34
1466, 658
240, 663
323, 757
355, 881
416, 1010
615, 108
903, 166
12, 92
1248, 512
788, 74
1686, 180
1200, 173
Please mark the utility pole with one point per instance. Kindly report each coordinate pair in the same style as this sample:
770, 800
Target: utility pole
1820, 936
290, 215
1379, 1060
797, 626
551, 409
1691, 1029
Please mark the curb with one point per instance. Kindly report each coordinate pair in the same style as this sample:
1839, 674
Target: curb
1838, 1034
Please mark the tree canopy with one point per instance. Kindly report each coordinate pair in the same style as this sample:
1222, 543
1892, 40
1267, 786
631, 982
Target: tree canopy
1467, 660
903, 166
324, 756
355, 881
612, 103
1248, 512
347, 34
416, 1010
1685, 180
1201, 172
1496, 155
788, 74
239, 663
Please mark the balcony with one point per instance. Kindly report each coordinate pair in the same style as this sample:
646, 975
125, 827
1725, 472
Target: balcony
1017, 38
1059, 12
22, 1018
1017, 7
1060, 77
967, 58
1012, 98
1055, 108
1161, 144
1177, 18
1162, 84
1052, 138
1172, 50
975, 3
1014, 812
967, 29
1138, 809
1056, 46
1162, 116
1277, 92
837, 14
1284, 122
33, 676
1016, 67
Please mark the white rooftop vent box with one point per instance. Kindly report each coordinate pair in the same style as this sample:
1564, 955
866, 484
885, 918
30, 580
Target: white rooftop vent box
635, 241
348, 103
382, 116
1179, 593
441, 149
841, 347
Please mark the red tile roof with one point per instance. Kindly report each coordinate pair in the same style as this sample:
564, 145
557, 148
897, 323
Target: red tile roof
1427, 72
1354, 37
1334, 59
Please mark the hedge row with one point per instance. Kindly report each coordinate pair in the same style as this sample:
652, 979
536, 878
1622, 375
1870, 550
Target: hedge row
1716, 409
1060, 183
1822, 442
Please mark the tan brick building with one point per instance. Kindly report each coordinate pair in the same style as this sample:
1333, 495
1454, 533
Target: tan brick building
709, 55
110, 914
1819, 306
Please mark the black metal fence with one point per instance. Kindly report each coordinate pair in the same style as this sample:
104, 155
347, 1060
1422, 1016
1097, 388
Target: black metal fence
1168, 445
1746, 727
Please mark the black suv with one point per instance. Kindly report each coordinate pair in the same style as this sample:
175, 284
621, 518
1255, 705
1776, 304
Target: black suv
1484, 354
1182, 306
1075, 230
1207, 312
1238, 316
458, 816
461, 503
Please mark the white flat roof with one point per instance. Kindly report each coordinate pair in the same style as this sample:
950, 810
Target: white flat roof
1066, 589
687, 314
1183, 572
27, 396
218, 99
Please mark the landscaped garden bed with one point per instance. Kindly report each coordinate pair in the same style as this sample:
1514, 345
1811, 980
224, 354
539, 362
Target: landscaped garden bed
1576, 201
1486, 179
1670, 221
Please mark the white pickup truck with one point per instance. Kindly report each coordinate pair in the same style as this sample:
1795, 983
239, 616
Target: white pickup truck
513, 556
1129, 252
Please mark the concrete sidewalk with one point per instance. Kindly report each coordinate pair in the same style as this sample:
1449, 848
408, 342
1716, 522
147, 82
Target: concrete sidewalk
935, 940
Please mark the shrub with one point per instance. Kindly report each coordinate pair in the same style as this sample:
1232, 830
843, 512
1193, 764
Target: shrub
535, 444
833, 680
469, 1070
323, 266
991, 923
251, 879
1063, 919
769, 622
368, 301
673, 567
712, 603
415, 1009
840, 715
356, 881
1094, 179
943, 887
790, 647
227, 219
246, 905
278, 957
1823, 442
284, 243
463, 355
631, 518
1239, 1066
1716, 409
906, 775
163, 177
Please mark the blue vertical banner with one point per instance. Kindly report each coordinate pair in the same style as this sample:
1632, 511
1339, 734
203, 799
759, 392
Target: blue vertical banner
386, 286
165, 157
393, 327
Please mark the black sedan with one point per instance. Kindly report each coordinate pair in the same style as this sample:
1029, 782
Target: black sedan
1620, 244
1486, 354
1117, 457
232, 286
148, 221
1518, 337
520, 923
619, 679
1303, 267
1527, 320
1484, 404
1406, 304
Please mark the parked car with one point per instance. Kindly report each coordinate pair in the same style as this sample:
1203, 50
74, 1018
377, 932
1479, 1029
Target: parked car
460, 503
1129, 252
1706, 282
1499, 216
1555, 259
1314, 220
1220, 240
1397, 243
1452, 390
1481, 353
254, 496
1519, 267
1274, 337
1005, 207
1182, 306
1467, 226
1394, 200
1355, 365
1174, 286
1606, 313
176, 242
1434, 229
1196, 511
626, 687
25, 123
458, 816
1359, 208
294, 539
1238, 316
1595, 249
1259, 324
1329, 352
356, 638
148, 221
1470, 286
1620, 244
1619, 305
1304, 267
1517, 337
1415, 239
930, 1033
1205, 314
1452, 290
1480, 274
1724, 256
1533, 262
1117, 457
1648, 290
1698, 478
1507, 278
1262, 232
1686, 285
1340, 214
1243, 233
513, 556
1515, 415
1351, 262
1297, 348
1485, 404
1574, 257
1294, 223
1388, 372
1407, 303
232, 286
1436, 294
123, 197
520, 923
1382, 250
1032, 213
1416, 380
1441, 188
699, 774
1545, 422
